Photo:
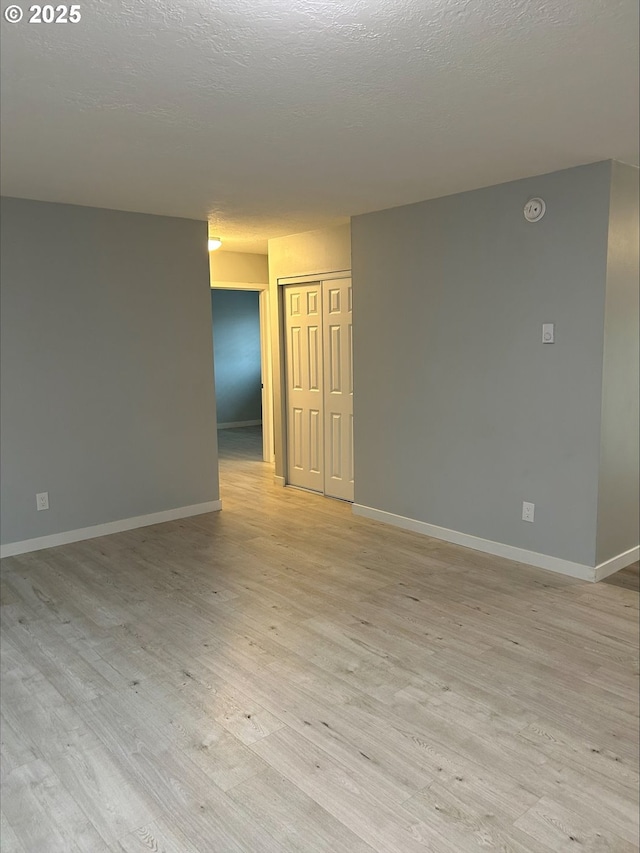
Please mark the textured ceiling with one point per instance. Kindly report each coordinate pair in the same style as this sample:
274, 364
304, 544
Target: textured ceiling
270, 117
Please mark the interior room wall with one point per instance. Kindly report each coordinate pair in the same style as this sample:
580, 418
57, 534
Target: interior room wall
324, 250
236, 347
107, 376
618, 510
461, 412
238, 266
310, 253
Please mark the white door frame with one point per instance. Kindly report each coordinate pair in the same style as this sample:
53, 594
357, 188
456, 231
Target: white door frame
309, 278
265, 359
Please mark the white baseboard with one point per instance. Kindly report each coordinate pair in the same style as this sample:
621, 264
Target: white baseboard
279, 481
55, 539
509, 552
610, 567
234, 424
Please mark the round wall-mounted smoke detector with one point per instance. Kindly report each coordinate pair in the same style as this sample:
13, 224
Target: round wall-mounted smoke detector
534, 209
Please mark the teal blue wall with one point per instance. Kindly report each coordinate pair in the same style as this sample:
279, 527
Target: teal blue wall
236, 355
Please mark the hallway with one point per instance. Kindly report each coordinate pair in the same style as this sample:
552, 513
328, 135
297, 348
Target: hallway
240, 443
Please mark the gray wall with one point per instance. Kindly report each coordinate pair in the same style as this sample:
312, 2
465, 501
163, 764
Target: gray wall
107, 377
618, 509
236, 347
461, 413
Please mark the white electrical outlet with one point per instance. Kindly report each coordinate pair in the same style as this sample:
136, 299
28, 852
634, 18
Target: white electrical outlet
528, 511
42, 501
548, 333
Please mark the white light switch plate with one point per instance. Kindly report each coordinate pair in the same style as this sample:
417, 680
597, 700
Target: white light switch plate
548, 333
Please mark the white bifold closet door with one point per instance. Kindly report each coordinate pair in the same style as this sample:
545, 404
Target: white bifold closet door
338, 388
319, 373
305, 449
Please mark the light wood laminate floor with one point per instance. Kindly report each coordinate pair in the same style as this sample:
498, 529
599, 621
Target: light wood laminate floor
283, 676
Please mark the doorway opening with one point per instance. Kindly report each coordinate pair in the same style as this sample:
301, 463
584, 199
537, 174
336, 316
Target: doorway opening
242, 367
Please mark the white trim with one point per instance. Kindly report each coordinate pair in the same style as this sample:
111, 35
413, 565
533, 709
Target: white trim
313, 277
266, 377
609, 567
234, 424
509, 552
239, 285
279, 481
68, 536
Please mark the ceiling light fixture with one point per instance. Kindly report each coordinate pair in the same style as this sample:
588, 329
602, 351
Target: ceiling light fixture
214, 243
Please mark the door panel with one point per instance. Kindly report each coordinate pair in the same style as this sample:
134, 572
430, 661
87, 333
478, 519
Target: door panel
315, 441
315, 357
338, 395
335, 362
304, 368
335, 446
296, 359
